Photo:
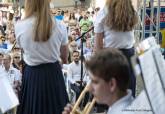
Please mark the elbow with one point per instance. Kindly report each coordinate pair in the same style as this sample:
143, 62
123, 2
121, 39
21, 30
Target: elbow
64, 54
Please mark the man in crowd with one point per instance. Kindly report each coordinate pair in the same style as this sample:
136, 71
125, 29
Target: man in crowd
74, 70
74, 73
109, 73
85, 24
13, 74
3, 43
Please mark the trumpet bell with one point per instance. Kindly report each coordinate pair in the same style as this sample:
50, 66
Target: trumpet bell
88, 106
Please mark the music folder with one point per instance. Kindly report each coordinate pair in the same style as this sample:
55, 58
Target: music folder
140, 105
152, 82
160, 63
8, 99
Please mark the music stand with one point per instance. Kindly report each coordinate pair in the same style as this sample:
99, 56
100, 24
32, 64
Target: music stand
82, 37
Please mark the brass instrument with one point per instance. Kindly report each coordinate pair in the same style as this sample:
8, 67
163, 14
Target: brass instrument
14, 45
88, 106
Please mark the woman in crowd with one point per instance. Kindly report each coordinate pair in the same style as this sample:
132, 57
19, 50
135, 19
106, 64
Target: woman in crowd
10, 23
43, 41
114, 27
72, 22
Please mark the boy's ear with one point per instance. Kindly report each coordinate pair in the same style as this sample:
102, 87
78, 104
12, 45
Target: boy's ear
112, 84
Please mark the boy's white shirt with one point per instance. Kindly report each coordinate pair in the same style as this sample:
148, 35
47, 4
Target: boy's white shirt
119, 106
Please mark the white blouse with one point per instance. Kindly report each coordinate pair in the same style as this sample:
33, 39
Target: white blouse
121, 40
36, 53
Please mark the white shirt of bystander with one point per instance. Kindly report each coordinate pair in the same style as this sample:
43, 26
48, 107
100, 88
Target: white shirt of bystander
74, 72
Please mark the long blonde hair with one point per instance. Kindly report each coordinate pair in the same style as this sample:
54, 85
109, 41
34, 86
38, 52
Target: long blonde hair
43, 24
121, 15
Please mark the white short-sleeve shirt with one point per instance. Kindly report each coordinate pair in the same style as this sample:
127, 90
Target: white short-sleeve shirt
121, 40
36, 53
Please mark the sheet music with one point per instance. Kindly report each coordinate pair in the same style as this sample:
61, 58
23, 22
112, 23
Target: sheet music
8, 99
146, 45
152, 41
160, 62
152, 82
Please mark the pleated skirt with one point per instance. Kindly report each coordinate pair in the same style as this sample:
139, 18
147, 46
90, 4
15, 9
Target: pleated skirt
43, 90
128, 54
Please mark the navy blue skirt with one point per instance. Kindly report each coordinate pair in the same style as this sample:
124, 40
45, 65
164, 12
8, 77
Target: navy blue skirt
128, 54
43, 90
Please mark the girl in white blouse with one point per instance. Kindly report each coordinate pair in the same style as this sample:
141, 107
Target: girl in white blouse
114, 29
44, 42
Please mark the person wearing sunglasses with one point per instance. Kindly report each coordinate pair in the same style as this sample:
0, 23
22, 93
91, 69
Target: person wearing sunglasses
3, 44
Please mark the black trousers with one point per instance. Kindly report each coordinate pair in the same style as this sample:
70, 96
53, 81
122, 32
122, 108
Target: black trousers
76, 89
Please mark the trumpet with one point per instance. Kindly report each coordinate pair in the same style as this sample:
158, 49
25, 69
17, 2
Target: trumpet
88, 106
14, 45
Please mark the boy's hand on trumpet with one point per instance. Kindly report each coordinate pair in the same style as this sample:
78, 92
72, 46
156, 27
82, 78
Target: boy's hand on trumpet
67, 109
